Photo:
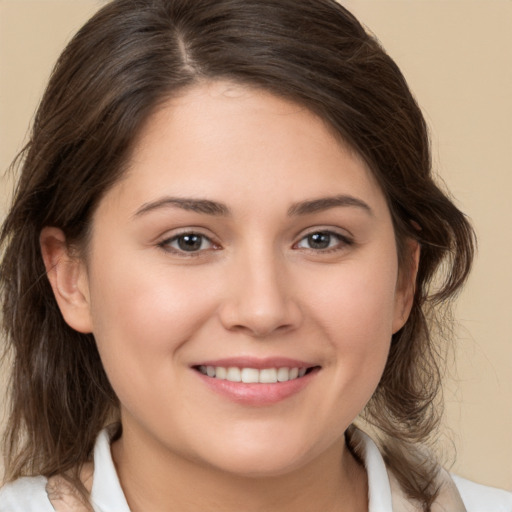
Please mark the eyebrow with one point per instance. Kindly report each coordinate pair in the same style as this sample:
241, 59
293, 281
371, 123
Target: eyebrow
195, 205
208, 207
326, 203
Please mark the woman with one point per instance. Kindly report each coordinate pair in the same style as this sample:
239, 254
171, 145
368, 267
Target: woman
225, 237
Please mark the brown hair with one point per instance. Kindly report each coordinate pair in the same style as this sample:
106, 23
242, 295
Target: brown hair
133, 55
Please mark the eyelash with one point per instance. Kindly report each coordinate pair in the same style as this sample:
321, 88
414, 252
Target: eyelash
166, 244
342, 242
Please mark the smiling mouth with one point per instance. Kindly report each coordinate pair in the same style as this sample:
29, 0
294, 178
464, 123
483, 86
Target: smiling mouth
254, 375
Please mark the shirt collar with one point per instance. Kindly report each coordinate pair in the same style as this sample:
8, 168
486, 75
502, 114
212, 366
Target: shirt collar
379, 489
106, 493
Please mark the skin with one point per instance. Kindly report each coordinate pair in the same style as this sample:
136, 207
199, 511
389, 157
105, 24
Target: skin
257, 287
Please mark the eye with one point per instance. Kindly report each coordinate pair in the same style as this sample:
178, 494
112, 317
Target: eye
187, 243
323, 240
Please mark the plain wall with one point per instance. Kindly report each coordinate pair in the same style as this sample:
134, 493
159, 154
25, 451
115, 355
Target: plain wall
457, 57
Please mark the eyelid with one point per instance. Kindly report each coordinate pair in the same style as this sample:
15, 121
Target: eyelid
342, 236
344, 239
166, 240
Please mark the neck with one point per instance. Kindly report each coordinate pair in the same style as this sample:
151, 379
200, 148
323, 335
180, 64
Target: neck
163, 482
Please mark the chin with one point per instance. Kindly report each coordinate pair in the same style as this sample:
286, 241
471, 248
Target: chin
262, 460
260, 467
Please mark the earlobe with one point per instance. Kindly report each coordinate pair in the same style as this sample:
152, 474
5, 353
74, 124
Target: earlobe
68, 279
406, 286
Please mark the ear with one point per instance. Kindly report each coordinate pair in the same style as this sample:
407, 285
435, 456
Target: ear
68, 279
406, 284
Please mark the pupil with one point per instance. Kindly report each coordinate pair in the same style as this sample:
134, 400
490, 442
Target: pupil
319, 240
189, 242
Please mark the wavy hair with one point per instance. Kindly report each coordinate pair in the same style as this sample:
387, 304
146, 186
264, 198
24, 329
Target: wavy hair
126, 61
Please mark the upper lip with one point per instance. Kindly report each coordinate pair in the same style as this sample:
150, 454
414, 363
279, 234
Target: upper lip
257, 363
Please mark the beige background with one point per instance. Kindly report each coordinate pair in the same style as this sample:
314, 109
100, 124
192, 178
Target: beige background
457, 56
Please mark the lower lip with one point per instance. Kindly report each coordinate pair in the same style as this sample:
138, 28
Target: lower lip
257, 394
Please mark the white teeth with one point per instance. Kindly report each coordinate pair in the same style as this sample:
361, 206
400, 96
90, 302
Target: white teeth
253, 375
234, 374
268, 376
283, 374
250, 375
221, 372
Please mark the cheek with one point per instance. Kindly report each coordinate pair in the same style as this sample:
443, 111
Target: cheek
355, 309
146, 297
356, 301
142, 316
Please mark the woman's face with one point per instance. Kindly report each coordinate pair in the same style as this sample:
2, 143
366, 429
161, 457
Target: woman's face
244, 242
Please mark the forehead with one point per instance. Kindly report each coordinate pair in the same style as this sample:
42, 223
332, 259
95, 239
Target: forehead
223, 140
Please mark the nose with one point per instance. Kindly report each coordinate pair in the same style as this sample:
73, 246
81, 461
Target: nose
260, 299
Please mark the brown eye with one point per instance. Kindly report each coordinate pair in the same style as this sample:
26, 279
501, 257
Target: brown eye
190, 242
319, 240
187, 242
323, 240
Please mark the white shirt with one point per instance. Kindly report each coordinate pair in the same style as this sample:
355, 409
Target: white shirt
29, 494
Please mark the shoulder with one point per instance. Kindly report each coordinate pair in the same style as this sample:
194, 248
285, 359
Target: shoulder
480, 498
26, 494
456, 494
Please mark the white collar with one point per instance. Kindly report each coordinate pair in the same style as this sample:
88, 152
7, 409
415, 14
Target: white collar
106, 493
379, 488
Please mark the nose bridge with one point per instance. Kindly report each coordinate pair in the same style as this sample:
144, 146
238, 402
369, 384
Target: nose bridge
260, 299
